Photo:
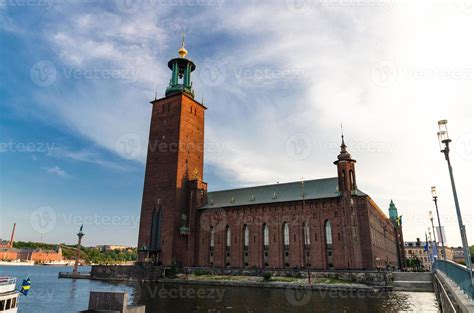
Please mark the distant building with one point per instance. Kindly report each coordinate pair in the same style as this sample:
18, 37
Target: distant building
4, 244
416, 250
38, 256
112, 247
458, 254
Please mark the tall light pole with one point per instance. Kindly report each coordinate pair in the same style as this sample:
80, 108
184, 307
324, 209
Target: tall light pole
435, 200
443, 138
80, 234
432, 226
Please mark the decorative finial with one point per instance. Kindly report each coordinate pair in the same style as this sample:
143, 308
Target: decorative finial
182, 51
342, 136
343, 155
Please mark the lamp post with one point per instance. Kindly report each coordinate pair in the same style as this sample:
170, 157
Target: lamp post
432, 226
444, 141
80, 234
435, 200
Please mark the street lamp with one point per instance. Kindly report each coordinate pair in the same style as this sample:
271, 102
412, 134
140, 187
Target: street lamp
432, 226
435, 200
444, 141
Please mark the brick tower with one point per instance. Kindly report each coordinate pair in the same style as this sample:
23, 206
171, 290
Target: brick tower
173, 188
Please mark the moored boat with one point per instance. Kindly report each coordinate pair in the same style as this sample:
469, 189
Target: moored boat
8, 295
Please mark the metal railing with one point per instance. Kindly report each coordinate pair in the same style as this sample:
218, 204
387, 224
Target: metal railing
457, 273
7, 281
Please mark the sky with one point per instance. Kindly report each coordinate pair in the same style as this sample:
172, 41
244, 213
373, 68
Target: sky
278, 79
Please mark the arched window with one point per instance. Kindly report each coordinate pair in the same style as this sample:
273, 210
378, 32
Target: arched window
343, 180
286, 245
266, 240
266, 244
228, 240
211, 246
228, 237
246, 236
286, 234
246, 245
329, 245
328, 229
306, 234
212, 237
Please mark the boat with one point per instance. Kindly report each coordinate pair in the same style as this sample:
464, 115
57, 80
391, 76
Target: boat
18, 263
56, 263
8, 295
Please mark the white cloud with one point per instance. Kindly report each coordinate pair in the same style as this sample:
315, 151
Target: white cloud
388, 71
56, 170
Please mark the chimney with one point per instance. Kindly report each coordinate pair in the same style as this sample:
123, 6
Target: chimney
13, 236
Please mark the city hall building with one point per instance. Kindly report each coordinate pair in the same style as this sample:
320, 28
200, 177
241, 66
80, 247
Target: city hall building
325, 223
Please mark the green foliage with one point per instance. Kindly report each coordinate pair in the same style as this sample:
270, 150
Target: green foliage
91, 255
267, 276
199, 272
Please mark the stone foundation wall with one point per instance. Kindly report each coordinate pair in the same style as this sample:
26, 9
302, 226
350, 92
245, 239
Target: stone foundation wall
138, 272
148, 272
372, 278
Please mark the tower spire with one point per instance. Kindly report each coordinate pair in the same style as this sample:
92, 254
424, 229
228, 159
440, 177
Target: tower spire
182, 51
181, 68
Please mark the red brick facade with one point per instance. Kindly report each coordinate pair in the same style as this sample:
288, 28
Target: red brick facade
177, 224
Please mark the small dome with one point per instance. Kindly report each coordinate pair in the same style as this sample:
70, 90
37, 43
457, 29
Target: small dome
343, 155
182, 51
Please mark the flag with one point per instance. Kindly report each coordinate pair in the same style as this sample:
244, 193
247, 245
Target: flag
435, 250
25, 286
426, 246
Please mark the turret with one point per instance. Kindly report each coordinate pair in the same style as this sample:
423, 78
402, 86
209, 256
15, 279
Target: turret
346, 170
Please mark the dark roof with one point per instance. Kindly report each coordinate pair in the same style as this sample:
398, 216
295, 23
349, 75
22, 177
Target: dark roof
284, 192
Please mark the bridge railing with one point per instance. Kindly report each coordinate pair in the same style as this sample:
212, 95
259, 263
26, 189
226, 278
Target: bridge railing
457, 273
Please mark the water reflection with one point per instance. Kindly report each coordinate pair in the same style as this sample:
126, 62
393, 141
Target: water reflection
201, 298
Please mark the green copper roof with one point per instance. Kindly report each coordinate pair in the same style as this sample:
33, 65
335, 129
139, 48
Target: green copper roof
392, 210
284, 192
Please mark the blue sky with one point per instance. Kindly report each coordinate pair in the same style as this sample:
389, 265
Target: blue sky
277, 77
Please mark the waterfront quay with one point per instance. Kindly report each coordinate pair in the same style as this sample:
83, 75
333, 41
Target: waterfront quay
300, 289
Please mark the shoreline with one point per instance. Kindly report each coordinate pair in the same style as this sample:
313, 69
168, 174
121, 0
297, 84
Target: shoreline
339, 287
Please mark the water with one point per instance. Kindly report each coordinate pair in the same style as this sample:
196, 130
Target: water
53, 295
